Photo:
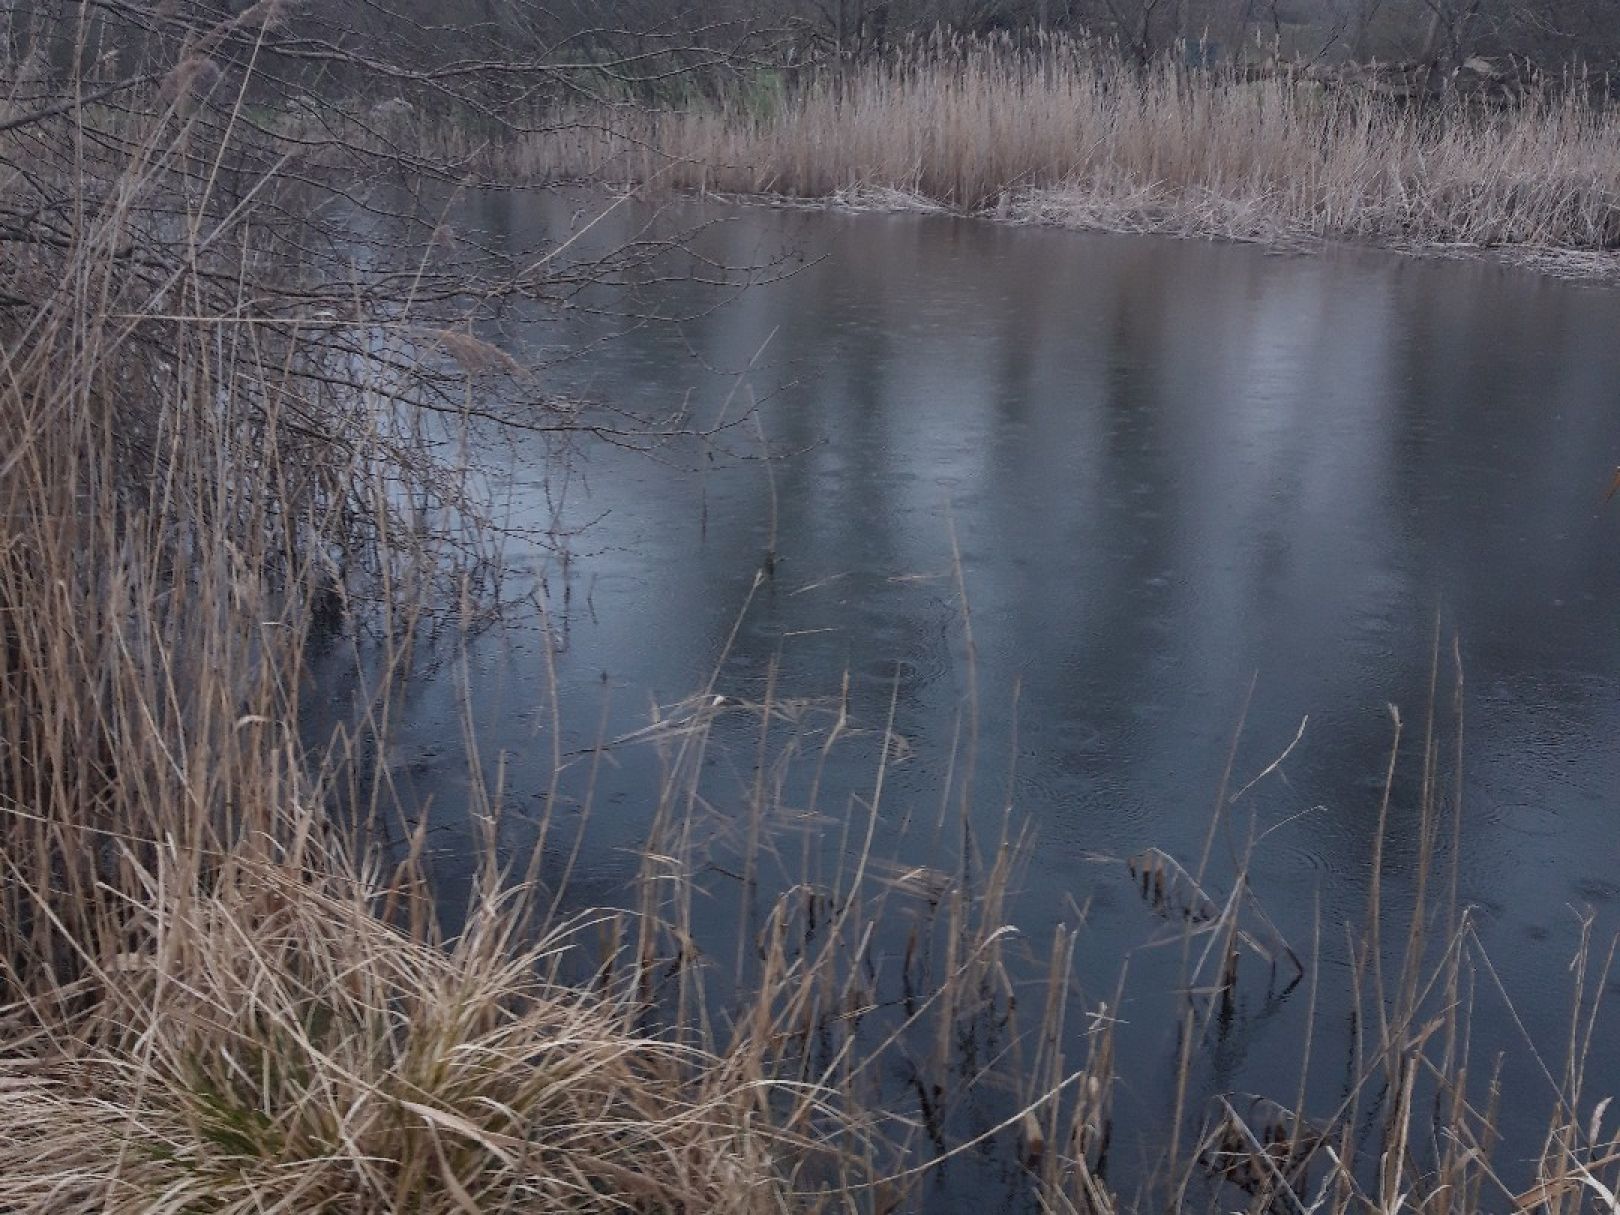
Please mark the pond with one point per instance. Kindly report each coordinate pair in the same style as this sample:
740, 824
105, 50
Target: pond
1192, 492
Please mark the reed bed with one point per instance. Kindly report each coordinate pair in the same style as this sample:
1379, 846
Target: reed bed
1069, 134
224, 984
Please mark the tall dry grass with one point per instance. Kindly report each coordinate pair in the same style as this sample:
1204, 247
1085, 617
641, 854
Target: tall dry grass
215, 993
1069, 134
223, 981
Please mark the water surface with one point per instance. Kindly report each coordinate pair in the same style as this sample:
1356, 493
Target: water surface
1182, 479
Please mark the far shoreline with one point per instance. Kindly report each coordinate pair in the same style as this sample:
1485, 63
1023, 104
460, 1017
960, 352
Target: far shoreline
1566, 264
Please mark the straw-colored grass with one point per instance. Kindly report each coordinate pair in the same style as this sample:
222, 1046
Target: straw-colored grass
213, 996
274, 1045
221, 989
1071, 135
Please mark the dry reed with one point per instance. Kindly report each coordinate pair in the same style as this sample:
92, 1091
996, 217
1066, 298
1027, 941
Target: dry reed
216, 993
219, 988
1069, 134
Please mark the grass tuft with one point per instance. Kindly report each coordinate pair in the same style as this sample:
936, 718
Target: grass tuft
274, 1040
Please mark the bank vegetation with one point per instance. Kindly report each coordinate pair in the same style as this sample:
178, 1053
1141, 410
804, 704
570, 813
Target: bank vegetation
1071, 133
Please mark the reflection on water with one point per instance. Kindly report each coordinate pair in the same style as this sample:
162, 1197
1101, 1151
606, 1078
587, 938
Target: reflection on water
1173, 471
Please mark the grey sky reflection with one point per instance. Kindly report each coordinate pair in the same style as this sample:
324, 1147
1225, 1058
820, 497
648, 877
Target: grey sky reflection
1171, 468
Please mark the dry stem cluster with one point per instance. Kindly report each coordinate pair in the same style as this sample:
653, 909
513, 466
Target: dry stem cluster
1071, 135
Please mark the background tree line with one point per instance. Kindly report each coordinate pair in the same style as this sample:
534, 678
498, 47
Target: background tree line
499, 53
1553, 33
